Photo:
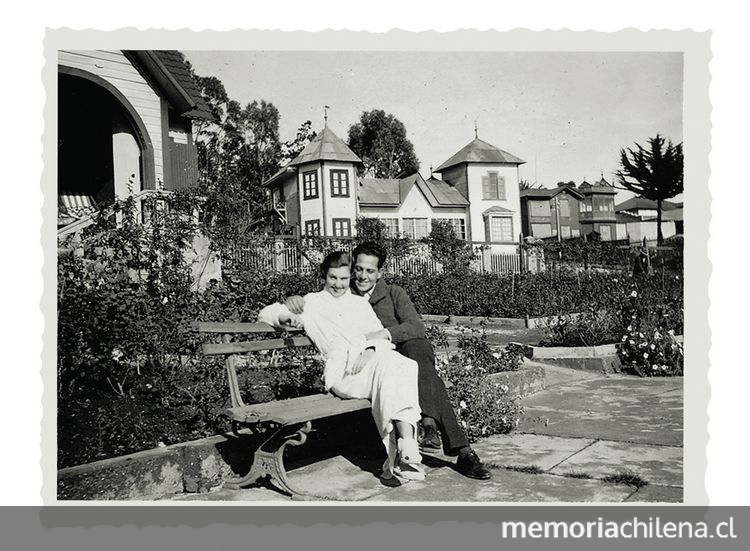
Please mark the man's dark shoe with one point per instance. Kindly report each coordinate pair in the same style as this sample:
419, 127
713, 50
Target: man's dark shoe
471, 466
430, 440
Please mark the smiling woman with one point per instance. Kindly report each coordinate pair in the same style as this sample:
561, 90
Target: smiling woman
339, 324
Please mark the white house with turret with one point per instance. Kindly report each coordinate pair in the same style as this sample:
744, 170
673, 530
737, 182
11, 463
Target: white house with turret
321, 192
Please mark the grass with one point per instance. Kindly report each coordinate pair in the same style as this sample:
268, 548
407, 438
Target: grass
578, 474
528, 469
628, 478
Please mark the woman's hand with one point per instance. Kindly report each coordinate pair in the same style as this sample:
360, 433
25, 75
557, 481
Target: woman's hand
362, 360
291, 320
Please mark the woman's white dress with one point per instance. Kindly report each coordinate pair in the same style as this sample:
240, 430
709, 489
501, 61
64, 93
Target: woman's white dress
337, 326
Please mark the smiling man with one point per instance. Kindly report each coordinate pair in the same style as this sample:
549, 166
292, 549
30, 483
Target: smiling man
405, 329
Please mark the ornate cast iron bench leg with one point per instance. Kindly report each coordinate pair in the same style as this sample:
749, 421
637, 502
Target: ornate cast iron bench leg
269, 461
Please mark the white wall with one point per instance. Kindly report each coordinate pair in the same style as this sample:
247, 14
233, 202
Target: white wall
310, 209
339, 207
478, 205
115, 68
415, 205
638, 230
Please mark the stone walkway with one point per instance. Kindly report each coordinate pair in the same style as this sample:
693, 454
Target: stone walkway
586, 438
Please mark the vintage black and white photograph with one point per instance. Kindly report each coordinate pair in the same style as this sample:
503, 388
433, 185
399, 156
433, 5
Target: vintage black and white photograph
369, 276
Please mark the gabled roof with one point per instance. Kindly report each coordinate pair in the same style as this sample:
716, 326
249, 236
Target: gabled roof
379, 192
174, 61
602, 186
389, 192
478, 151
167, 70
641, 203
445, 194
544, 193
326, 146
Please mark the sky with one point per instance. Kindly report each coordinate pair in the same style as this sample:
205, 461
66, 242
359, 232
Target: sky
567, 114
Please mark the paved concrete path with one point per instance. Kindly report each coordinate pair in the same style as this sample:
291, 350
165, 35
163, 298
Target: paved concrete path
586, 438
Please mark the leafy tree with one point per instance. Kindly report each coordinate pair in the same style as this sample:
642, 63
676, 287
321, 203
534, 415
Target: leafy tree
655, 173
237, 152
292, 148
379, 139
374, 229
447, 248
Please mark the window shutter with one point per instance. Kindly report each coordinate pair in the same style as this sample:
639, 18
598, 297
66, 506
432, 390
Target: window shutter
487, 230
486, 187
500, 187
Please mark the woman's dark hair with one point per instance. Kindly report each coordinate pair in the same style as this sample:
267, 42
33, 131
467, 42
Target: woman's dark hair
371, 248
336, 259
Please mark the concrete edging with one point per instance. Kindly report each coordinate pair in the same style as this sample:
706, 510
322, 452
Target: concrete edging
200, 465
516, 323
603, 358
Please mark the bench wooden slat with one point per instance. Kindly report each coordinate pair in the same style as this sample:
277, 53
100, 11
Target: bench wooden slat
235, 327
213, 349
297, 410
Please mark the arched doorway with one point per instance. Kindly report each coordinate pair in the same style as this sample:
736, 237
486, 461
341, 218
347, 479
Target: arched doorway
101, 153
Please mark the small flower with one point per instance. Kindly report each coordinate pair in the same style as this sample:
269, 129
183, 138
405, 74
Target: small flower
671, 332
463, 423
496, 355
624, 338
504, 388
632, 341
614, 280
149, 386
117, 354
653, 347
633, 316
630, 327
161, 445
468, 366
164, 300
654, 367
462, 404
634, 294
645, 355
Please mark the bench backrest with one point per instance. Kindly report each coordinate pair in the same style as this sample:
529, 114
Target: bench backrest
231, 349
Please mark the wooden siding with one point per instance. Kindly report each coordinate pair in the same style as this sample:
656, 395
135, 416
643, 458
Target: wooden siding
116, 69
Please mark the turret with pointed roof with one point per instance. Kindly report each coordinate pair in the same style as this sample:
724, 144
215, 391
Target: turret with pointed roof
326, 146
479, 151
487, 177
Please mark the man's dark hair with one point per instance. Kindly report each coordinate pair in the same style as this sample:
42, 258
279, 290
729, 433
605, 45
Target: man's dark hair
336, 259
372, 249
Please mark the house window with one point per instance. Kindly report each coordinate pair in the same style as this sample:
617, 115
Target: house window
459, 227
604, 204
312, 227
585, 205
342, 227
310, 184
415, 228
541, 230
391, 226
493, 187
501, 228
606, 233
539, 208
564, 207
339, 183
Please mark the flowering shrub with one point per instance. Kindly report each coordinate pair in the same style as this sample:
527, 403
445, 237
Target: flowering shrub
648, 346
482, 407
651, 354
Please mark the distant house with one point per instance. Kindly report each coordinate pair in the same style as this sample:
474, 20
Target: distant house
596, 211
551, 212
125, 125
637, 219
322, 192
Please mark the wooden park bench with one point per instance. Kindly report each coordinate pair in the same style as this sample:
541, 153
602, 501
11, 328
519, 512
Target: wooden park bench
290, 420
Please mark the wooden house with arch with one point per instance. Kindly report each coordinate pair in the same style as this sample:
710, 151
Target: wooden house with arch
125, 125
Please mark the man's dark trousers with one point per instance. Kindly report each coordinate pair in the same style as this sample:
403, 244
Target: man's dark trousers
433, 398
